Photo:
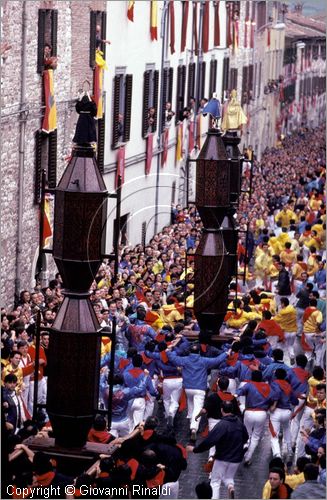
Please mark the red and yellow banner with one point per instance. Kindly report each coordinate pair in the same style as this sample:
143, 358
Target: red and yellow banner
205, 30
130, 10
217, 25
154, 20
120, 172
50, 117
191, 137
149, 154
164, 155
100, 66
179, 144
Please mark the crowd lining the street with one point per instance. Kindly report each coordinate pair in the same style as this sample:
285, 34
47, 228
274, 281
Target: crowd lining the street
269, 379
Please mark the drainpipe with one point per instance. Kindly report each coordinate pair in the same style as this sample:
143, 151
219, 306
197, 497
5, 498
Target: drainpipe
22, 127
161, 103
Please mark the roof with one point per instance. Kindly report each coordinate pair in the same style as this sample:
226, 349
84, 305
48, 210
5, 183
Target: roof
298, 25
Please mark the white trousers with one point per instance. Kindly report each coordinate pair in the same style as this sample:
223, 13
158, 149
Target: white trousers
136, 412
195, 400
171, 393
241, 399
280, 419
289, 344
254, 422
120, 428
41, 394
211, 424
295, 422
222, 471
170, 490
307, 424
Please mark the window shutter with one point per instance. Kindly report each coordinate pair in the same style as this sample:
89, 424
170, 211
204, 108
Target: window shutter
164, 93
179, 93
146, 91
233, 79
38, 166
100, 148
250, 84
202, 79
143, 234
191, 81
115, 134
128, 106
213, 77
104, 30
54, 31
225, 75
155, 96
52, 160
170, 87
93, 22
41, 40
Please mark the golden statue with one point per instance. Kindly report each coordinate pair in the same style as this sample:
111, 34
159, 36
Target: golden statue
234, 116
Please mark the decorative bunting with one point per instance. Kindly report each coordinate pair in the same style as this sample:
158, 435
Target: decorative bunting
205, 28
120, 172
50, 117
172, 26
130, 10
217, 24
154, 20
185, 6
149, 153
165, 139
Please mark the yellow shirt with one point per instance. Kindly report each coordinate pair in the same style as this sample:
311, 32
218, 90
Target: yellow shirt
297, 270
262, 264
288, 257
286, 318
285, 216
274, 245
311, 325
292, 480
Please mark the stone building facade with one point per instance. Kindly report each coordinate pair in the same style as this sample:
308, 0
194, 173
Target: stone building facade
22, 107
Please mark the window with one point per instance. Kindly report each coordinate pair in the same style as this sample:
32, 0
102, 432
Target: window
143, 234
225, 77
101, 143
233, 79
150, 100
167, 91
173, 192
180, 92
213, 77
97, 18
250, 83
261, 14
45, 157
245, 84
122, 239
202, 80
47, 35
122, 107
190, 82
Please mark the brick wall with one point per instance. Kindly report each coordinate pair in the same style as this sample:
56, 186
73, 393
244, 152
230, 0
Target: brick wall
73, 69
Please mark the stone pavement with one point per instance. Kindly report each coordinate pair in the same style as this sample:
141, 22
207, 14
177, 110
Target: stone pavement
249, 481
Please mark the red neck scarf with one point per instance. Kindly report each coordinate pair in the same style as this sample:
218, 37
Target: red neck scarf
45, 479
225, 396
147, 434
164, 357
135, 372
307, 313
232, 359
301, 374
157, 480
262, 387
146, 360
285, 386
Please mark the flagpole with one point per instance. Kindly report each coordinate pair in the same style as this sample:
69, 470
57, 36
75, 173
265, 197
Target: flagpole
163, 38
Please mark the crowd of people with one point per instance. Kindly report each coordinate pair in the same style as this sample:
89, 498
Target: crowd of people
266, 382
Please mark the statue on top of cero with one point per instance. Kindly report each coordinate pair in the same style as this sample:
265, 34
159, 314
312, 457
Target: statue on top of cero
234, 116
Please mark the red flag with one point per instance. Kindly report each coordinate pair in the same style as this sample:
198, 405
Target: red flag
217, 25
185, 6
130, 10
205, 28
236, 36
268, 37
165, 146
172, 26
195, 27
154, 20
120, 172
252, 34
149, 153
198, 131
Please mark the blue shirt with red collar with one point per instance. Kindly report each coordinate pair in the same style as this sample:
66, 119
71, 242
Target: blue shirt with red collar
135, 377
258, 395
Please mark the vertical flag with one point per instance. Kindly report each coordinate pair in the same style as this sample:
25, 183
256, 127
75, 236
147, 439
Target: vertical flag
154, 20
268, 37
50, 117
179, 152
165, 139
205, 27
47, 231
185, 6
191, 137
120, 172
217, 25
195, 27
247, 23
252, 34
130, 10
235, 35
149, 153
97, 90
229, 25
172, 26
198, 130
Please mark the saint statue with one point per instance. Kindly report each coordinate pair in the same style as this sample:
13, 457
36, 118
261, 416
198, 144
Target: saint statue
234, 116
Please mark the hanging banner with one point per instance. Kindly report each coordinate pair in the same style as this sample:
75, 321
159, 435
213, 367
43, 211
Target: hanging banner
195, 27
268, 37
205, 30
252, 34
47, 231
198, 131
50, 117
172, 26
247, 23
120, 172
149, 153
130, 10
185, 6
154, 20
235, 36
191, 137
216, 25
165, 139
100, 66
179, 152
